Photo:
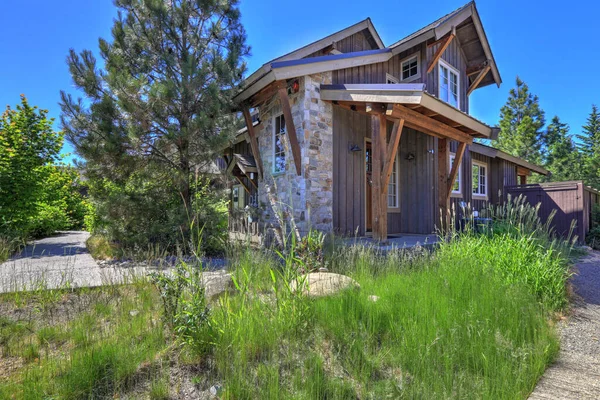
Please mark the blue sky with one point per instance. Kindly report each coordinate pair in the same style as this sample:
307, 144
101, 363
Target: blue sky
549, 44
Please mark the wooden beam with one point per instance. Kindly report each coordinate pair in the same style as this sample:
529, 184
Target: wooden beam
443, 199
253, 183
470, 42
246, 188
455, 167
440, 40
377, 133
429, 125
392, 150
383, 207
476, 67
253, 140
438, 54
290, 129
375, 108
389, 109
478, 79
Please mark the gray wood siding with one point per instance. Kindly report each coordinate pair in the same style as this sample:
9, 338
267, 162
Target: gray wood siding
356, 42
453, 55
349, 128
417, 178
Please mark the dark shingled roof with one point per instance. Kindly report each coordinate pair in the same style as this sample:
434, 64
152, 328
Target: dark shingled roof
431, 26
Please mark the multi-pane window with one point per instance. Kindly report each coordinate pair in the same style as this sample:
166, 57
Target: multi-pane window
393, 187
479, 179
237, 197
457, 183
448, 86
278, 145
410, 68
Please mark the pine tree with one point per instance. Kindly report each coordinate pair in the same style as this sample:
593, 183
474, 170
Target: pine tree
521, 123
162, 103
590, 149
561, 156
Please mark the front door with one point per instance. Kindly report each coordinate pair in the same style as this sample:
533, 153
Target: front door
368, 183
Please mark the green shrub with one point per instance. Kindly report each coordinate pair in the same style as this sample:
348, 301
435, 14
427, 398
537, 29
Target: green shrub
48, 220
100, 247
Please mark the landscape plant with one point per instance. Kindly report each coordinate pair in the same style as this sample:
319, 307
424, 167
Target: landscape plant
156, 114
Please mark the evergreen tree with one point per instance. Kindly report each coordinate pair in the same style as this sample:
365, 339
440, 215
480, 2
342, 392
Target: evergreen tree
590, 149
521, 123
162, 104
562, 157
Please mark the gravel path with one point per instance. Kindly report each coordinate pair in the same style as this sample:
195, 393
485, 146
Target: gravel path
576, 373
58, 261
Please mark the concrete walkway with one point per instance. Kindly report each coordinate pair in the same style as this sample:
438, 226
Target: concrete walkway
57, 262
576, 373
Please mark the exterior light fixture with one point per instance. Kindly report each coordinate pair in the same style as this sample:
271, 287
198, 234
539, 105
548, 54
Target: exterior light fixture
295, 86
410, 156
354, 148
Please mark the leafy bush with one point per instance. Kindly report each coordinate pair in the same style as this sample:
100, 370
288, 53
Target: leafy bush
184, 303
593, 236
48, 219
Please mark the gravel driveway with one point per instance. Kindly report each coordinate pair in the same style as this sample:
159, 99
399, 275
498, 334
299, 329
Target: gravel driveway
59, 261
576, 373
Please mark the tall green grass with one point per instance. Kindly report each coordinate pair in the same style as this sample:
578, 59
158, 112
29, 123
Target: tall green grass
441, 327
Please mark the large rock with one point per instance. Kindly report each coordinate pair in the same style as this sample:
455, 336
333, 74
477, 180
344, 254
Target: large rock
216, 283
319, 284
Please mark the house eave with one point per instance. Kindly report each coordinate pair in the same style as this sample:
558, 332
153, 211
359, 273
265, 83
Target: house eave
403, 93
496, 153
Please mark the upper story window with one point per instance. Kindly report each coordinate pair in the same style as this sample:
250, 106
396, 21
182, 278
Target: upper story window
449, 84
390, 79
480, 181
458, 182
278, 146
409, 68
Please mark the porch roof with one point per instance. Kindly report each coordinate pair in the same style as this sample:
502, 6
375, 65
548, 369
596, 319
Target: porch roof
410, 101
245, 162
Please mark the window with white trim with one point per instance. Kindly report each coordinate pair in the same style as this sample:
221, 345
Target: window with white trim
390, 79
456, 186
237, 197
409, 68
278, 145
480, 181
393, 197
449, 88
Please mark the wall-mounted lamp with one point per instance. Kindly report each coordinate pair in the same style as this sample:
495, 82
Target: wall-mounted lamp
251, 175
295, 86
410, 156
354, 147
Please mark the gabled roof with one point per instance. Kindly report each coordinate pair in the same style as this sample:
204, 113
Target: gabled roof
316, 46
465, 18
492, 152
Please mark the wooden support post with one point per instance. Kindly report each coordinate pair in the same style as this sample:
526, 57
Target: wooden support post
290, 129
522, 179
383, 209
443, 198
376, 166
478, 79
246, 188
253, 140
454, 171
438, 54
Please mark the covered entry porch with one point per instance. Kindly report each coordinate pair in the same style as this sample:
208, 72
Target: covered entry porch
395, 131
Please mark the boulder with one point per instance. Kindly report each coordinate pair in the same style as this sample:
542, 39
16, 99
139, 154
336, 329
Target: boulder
319, 284
216, 283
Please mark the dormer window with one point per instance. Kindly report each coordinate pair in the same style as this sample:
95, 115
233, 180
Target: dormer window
449, 84
409, 68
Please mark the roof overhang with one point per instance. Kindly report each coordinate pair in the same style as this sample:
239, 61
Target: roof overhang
444, 26
257, 78
281, 70
411, 95
495, 153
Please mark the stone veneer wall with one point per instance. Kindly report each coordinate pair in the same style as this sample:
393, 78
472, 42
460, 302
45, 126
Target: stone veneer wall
307, 200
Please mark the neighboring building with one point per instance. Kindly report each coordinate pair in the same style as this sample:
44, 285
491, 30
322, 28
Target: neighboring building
347, 135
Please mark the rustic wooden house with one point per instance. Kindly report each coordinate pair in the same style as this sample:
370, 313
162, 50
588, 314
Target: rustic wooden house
348, 135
